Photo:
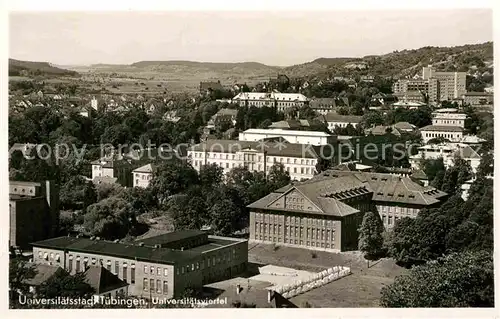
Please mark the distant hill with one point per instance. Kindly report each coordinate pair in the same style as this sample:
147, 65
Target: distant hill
402, 63
31, 68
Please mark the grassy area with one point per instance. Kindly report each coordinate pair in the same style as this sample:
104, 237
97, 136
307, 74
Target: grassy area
360, 289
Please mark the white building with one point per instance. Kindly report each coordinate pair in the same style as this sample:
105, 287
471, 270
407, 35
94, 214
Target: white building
298, 160
448, 117
142, 176
447, 151
291, 136
333, 119
446, 123
281, 101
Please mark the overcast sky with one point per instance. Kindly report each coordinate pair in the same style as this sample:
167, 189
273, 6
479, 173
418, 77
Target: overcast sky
280, 38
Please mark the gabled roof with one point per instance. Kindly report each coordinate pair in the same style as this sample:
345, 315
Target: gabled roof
42, 274
102, 280
404, 126
468, 152
144, 169
419, 174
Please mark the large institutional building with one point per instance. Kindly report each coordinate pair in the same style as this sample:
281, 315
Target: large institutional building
281, 101
299, 160
446, 123
162, 266
438, 86
325, 212
34, 212
291, 136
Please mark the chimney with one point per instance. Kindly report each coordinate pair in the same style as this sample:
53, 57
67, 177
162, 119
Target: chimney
238, 289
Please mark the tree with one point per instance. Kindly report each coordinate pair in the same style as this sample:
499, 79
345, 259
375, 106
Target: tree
187, 211
370, 235
457, 280
77, 193
19, 272
64, 285
372, 118
278, 176
110, 218
172, 177
211, 175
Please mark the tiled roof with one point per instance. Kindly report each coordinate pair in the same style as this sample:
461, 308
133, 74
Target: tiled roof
404, 126
228, 112
442, 128
144, 169
102, 280
334, 117
468, 152
419, 174
42, 274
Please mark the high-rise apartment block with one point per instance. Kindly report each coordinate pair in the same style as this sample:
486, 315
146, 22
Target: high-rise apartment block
438, 86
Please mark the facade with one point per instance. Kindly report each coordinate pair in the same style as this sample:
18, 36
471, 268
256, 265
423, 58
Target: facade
477, 98
447, 85
291, 136
298, 160
446, 123
34, 212
447, 151
162, 266
451, 133
437, 86
446, 117
334, 119
112, 170
325, 212
142, 176
281, 101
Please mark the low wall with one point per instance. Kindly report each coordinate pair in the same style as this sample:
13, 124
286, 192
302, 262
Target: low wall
317, 280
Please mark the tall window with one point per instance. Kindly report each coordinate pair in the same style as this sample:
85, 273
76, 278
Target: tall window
145, 284
125, 273
117, 266
165, 287
152, 270
165, 272
152, 284
132, 274
145, 269
158, 271
158, 286
70, 265
108, 265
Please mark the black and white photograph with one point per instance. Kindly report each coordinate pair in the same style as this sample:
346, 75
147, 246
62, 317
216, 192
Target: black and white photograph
223, 158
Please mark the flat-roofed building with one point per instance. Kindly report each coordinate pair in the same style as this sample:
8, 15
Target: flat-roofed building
33, 212
162, 266
448, 117
325, 212
451, 133
292, 136
298, 160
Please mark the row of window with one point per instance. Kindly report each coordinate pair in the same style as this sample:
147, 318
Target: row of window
262, 228
251, 158
445, 135
296, 242
293, 220
303, 170
388, 219
144, 176
208, 262
159, 271
149, 284
397, 209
